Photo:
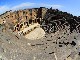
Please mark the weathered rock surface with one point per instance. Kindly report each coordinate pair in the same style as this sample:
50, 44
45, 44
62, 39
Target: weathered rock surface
36, 34
55, 46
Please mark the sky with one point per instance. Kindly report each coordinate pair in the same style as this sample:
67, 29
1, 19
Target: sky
70, 6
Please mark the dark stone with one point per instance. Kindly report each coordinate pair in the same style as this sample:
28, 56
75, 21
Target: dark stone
79, 54
73, 43
60, 45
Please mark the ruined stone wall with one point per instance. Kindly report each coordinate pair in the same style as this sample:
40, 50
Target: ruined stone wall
24, 15
28, 16
34, 13
44, 10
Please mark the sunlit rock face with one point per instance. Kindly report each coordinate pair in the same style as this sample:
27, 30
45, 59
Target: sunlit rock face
36, 34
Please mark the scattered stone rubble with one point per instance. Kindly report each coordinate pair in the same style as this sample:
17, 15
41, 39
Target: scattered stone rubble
59, 46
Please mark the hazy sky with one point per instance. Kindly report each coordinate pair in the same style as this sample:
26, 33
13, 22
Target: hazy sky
71, 6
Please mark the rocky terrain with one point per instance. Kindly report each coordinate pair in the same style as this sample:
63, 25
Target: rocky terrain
60, 42
58, 46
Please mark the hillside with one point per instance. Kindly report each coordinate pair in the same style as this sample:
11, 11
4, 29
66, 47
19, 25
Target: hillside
43, 34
